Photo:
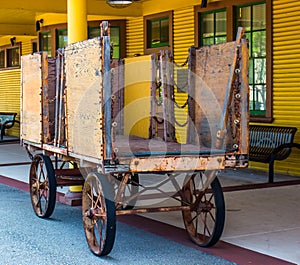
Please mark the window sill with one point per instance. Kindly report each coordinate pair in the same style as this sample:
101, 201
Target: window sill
261, 119
10, 68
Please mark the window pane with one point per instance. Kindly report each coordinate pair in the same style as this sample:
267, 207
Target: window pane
94, 32
2, 59
252, 101
259, 44
208, 41
260, 97
244, 17
159, 32
259, 14
115, 41
155, 30
13, 57
260, 71
208, 25
45, 42
249, 41
164, 37
251, 71
219, 40
221, 23
115, 35
62, 38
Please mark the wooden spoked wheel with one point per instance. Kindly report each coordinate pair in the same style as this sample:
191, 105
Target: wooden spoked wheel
98, 214
205, 219
42, 184
128, 198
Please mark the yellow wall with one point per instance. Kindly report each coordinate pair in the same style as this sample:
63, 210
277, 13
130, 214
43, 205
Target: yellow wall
286, 76
10, 83
184, 34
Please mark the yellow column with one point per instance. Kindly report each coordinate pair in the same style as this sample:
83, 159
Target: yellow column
77, 20
77, 31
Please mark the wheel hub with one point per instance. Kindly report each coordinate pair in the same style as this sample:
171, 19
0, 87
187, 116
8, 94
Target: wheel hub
205, 207
93, 213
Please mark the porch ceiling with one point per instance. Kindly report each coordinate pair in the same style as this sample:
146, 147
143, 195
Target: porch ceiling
17, 17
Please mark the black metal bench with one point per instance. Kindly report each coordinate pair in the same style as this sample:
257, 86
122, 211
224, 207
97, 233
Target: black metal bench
270, 143
7, 121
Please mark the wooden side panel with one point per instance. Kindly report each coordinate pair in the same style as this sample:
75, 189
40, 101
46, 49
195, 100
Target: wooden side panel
213, 69
84, 98
31, 107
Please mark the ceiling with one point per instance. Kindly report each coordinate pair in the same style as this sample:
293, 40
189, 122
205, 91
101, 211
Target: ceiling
17, 17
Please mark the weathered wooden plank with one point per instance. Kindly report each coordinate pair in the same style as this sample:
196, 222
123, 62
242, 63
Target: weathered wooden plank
31, 105
84, 98
213, 69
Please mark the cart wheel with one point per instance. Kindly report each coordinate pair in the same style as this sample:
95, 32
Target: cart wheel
131, 188
98, 214
205, 219
42, 184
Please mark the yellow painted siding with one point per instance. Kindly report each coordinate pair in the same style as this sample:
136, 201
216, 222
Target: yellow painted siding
26, 47
135, 36
286, 77
10, 82
184, 34
10, 95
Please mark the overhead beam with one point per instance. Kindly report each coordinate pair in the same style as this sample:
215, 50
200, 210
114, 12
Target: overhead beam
16, 29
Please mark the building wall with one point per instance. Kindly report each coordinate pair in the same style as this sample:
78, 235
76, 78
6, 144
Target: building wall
10, 82
286, 76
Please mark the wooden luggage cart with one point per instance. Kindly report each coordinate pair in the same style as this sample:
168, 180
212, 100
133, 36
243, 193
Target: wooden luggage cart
84, 109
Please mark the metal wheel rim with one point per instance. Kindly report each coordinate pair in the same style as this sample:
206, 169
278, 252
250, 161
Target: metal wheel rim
201, 222
40, 190
94, 214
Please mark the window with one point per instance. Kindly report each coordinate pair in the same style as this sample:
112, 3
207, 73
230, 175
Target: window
212, 27
34, 45
53, 37
62, 38
158, 32
115, 35
219, 21
252, 18
45, 42
10, 56
13, 57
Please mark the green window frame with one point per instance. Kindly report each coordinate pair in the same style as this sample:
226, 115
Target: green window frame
158, 32
252, 18
212, 27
